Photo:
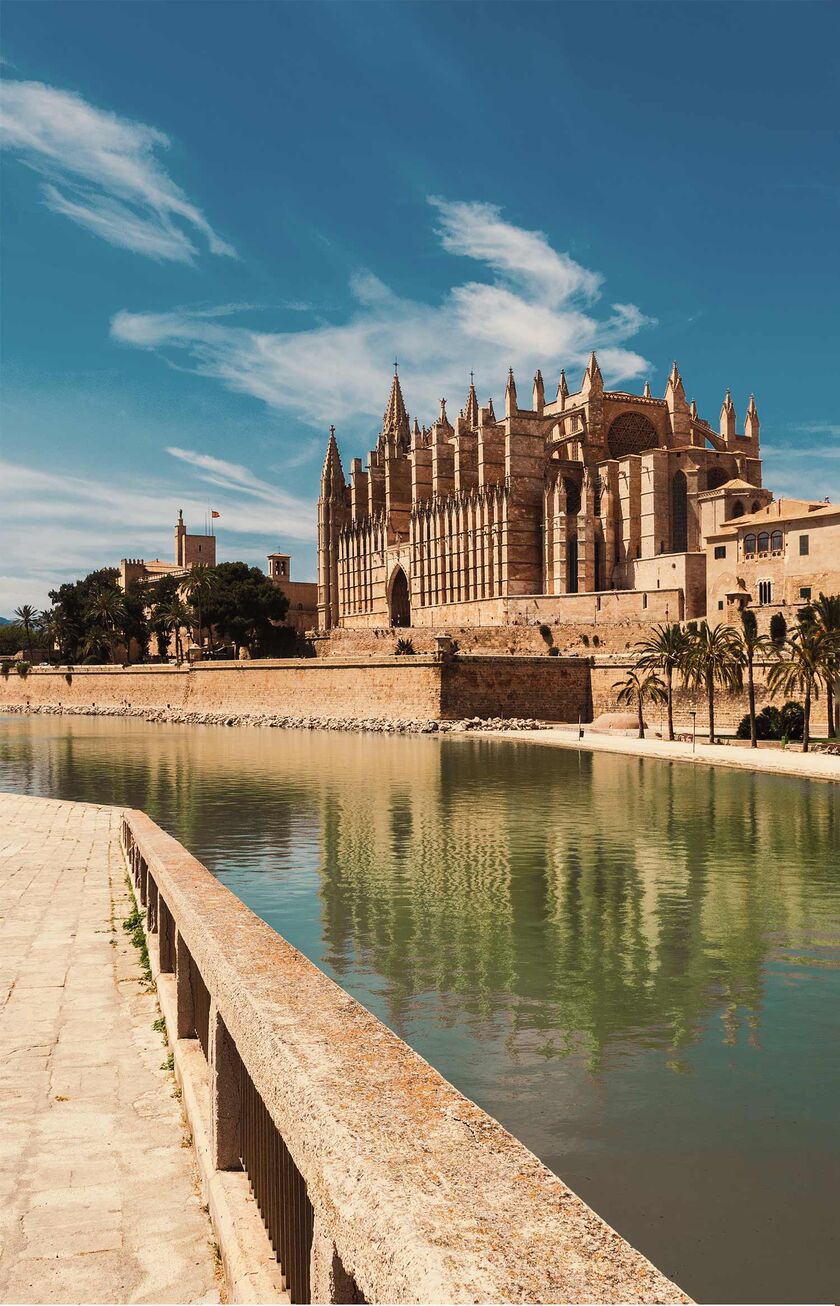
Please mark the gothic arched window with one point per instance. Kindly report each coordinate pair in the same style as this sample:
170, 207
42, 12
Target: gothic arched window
776, 542
764, 542
679, 513
756, 506
572, 496
737, 508
572, 565
749, 545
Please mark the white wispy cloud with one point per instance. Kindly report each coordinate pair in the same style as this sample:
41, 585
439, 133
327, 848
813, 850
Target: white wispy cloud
81, 523
103, 172
536, 308
820, 428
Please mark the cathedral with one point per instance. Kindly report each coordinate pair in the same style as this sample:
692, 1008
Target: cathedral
535, 514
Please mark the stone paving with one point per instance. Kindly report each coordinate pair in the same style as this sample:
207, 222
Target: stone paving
98, 1189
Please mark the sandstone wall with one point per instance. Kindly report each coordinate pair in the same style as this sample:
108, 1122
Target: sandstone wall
730, 707
394, 688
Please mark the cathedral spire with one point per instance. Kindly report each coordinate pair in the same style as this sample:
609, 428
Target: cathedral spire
332, 477
510, 395
490, 410
751, 422
395, 421
592, 378
727, 417
646, 391
539, 392
471, 409
562, 389
675, 391
693, 409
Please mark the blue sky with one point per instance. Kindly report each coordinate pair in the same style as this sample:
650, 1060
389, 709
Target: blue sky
222, 221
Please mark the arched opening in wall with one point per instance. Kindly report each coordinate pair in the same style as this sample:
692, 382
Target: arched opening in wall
737, 508
679, 513
572, 496
716, 477
599, 563
399, 603
572, 565
755, 506
631, 433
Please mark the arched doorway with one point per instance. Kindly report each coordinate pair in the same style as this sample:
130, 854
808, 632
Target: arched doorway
679, 513
399, 603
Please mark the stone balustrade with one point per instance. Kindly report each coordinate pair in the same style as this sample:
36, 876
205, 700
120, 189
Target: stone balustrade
376, 1180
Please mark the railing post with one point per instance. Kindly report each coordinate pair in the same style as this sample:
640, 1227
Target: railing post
225, 1105
183, 990
151, 905
166, 938
328, 1279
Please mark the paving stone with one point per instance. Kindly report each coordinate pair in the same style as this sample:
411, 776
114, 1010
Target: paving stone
98, 1199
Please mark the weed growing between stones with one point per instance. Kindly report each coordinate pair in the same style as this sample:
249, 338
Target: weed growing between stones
159, 1027
133, 926
169, 1063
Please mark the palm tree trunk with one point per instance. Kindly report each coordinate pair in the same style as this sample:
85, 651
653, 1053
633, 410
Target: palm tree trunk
806, 728
829, 705
710, 690
641, 718
751, 695
670, 677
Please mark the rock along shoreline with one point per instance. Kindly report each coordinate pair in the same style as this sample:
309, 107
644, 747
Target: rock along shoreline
277, 721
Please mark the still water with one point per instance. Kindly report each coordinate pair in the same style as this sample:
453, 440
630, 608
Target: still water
634, 965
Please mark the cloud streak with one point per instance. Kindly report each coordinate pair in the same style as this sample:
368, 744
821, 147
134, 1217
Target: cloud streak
103, 172
536, 308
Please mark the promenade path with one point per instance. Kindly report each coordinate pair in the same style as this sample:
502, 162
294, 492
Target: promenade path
98, 1191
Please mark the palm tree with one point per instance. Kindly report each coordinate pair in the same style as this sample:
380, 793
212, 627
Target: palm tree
173, 616
108, 607
824, 614
665, 650
25, 616
639, 687
715, 656
803, 665
753, 643
198, 587
46, 623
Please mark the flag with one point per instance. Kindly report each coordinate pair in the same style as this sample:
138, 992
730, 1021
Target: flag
213, 513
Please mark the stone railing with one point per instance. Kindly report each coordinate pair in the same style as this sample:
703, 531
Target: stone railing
375, 1179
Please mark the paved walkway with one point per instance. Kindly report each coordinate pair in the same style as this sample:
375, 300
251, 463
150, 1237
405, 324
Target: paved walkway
98, 1192
808, 766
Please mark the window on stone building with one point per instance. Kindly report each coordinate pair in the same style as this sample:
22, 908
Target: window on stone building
749, 545
756, 506
765, 591
764, 542
776, 542
804, 545
679, 513
737, 508
572, 496
805, 592
572, 565
596, 497
720, 605
631, 433
720, 550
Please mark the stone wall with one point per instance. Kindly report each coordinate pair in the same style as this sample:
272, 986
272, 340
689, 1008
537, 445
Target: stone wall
393, 688
730, 707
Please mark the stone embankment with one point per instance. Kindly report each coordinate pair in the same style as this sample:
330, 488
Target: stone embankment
378, 725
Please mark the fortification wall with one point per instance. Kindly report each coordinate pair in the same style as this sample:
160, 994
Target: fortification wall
730, 706
393, 688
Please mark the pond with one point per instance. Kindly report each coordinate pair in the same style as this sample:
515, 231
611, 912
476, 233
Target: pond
633, 964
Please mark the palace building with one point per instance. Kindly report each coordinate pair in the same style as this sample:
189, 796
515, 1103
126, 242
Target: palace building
534, 514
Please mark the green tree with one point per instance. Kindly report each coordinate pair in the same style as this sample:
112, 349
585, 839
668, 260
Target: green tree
175, 616
198, 588
26, 616
802, 667
778, 629
664, 650
824, 614
71, 608
107, 609
753, 643
714, 656
244, 604
639, 687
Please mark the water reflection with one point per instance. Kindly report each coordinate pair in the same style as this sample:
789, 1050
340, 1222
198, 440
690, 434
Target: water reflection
636, 966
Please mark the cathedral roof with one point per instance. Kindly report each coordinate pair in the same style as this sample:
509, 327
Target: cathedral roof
395, 421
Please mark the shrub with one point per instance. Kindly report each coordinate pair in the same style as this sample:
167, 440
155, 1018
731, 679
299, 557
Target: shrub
554, 651
23, 668
545, 631
404, 647
786, 722
5, 667
778, 628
